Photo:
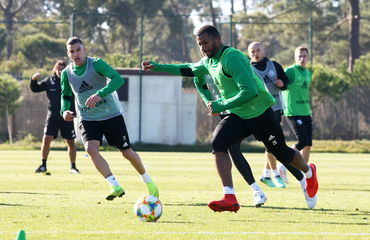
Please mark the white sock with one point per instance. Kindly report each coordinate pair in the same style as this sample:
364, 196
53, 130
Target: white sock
302, 183
228, 190
255, 187
112, 181
308, 174
146, 178
266, 173
275, 173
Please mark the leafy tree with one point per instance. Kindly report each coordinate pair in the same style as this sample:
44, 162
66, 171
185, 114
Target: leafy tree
128, 60
10, 99
10, 11
328, 82
3, 35
360, 72
36, 48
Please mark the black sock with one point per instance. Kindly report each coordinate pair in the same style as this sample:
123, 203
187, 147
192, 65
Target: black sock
43, 162
73, 165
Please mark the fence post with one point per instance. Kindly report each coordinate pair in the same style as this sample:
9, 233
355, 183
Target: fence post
231, 30
311, 34
72, 32
141, 74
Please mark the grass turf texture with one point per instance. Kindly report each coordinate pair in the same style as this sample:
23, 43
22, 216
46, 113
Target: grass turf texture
73, 206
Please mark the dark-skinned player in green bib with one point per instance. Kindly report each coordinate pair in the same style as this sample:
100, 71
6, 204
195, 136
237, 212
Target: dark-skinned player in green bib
249, 104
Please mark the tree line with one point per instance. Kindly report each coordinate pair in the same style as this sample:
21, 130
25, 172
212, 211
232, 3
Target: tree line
33, 34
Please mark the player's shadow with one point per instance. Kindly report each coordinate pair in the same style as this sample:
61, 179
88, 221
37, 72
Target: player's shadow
30, 193
11, 205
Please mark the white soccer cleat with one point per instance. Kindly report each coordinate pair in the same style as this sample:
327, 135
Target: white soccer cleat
282, 171
259, 198
311, 202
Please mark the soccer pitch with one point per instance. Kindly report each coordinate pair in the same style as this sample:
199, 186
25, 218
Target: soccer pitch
70, 206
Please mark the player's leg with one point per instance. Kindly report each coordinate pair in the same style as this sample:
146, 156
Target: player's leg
92, 134
50, 132
302, 132
273, 138
275, 172
228, 132
270, 166
72, 155
68, 133
307, 149
311, 202
259, 197
266, 174
115, 132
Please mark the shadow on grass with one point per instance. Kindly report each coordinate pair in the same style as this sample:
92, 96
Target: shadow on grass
30, 193
11, 205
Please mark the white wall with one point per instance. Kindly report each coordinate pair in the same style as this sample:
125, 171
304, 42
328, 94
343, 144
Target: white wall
168, 115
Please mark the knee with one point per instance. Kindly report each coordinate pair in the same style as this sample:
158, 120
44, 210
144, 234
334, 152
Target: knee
285, 155
128, 153
219, 145
70, 143
302, 143
91, 149
47, 139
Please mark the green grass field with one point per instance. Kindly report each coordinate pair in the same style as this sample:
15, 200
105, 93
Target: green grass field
68, 206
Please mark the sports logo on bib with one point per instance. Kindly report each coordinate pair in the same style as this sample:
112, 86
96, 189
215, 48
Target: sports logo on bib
271, 73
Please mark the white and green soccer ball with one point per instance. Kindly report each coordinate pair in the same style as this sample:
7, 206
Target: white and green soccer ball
148, 208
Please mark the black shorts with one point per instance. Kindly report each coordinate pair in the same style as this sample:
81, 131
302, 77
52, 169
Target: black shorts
114, 130
67, 129
265, 128
278, 114
302, 129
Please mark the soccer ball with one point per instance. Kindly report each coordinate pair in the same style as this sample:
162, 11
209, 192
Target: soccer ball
148, 208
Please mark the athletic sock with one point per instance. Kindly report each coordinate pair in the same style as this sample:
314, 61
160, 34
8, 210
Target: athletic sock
73, 165
255, 187
266, 173
275, 173
302, 184
146, 178
308, 174
228, 190
43, 162
112, 181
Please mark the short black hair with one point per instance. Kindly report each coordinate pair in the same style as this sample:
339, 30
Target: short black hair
211, 30
74, 40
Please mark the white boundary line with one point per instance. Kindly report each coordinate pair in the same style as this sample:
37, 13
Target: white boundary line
196, 233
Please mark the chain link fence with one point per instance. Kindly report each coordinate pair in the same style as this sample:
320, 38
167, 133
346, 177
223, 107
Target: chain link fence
166, 109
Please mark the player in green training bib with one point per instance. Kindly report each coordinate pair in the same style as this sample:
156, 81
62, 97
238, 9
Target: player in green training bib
297, 100
249, 104
100, 112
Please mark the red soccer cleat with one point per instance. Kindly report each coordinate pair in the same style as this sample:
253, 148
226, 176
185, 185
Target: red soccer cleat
311, 183
227, 203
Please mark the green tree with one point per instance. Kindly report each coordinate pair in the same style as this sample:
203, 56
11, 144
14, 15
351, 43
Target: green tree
10, 99
37, 48
3, 35
10, 11
126, 60
328, 82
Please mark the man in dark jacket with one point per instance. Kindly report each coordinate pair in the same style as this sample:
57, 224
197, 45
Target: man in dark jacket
54, 121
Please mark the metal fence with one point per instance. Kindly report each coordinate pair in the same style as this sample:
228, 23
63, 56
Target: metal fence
170, 39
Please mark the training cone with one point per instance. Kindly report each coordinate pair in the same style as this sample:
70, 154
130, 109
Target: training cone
21, 235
